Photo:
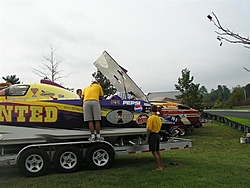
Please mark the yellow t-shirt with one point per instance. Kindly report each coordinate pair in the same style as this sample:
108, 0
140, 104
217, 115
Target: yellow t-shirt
154, 123
92, 92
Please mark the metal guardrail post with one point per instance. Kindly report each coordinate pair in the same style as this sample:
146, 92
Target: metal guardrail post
239, 127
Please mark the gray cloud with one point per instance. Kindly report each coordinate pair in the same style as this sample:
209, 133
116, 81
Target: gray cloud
154, 40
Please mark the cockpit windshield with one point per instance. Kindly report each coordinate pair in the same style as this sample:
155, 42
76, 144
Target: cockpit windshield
14, 90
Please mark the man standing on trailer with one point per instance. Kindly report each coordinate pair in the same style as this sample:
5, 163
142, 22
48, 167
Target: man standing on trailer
92, 109
154, 124
79, 92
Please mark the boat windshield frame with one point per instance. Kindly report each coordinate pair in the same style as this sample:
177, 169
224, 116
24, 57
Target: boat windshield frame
15, 90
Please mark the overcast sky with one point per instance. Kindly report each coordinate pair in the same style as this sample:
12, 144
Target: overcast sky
154, 40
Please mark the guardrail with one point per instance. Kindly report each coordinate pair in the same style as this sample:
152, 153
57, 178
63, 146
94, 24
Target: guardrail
235, 125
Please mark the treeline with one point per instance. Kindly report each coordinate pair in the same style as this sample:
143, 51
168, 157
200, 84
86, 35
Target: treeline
198, 97
223, 97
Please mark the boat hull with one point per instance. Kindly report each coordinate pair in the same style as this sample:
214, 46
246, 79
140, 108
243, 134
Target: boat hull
68, 114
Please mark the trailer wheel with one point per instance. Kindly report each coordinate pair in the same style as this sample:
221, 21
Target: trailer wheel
99, 156
183, 131
34, 162
67, 159
198, 125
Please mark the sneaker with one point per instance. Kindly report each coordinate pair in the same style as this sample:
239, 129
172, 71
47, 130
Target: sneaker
92, 139
99, 139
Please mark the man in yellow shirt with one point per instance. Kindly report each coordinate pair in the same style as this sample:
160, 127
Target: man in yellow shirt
92, 109
154, 124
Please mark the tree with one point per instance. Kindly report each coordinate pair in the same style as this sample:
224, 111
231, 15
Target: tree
203, 90
247, 91
50, 69
217, 98
190, 92
226, 93
236, 97
226, 34
12, 79
223, 93
108, 88
246, 100
218, 104
206, 102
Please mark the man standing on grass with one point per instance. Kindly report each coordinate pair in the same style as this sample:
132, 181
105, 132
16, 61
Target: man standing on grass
154, 124
92, 109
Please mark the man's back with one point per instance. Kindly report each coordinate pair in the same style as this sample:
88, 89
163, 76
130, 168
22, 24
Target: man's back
154, 123
93, 92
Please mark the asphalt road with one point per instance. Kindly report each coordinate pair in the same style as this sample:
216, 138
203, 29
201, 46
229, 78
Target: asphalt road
235, 113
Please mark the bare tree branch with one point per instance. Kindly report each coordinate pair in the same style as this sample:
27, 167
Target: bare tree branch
226, 34
246, 69
51, 66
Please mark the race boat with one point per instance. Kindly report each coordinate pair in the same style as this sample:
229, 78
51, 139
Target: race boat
41, 109
179, 113
48, 105
181, 116
47, 110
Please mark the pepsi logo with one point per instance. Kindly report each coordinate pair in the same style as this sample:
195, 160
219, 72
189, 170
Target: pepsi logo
138, 108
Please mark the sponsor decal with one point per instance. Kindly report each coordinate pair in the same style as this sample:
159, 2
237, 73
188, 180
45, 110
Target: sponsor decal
34, 91
171, 118
147, 104
120, 116
115, 102
61, 96
131, 103
138, 108
141, 120
168, 120
74, 108
48, 114
17, 98
147, 110
183, 116
47, 94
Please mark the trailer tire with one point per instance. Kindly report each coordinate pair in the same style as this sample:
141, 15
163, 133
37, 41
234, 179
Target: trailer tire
67, 159
183, 131
34, 162
99, 156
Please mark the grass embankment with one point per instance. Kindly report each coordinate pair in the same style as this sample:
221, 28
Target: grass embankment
216, 160
241, 121
240, 108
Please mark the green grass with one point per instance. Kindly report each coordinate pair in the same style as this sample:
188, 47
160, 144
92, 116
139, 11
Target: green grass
216, 160
241, 108
241, 121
